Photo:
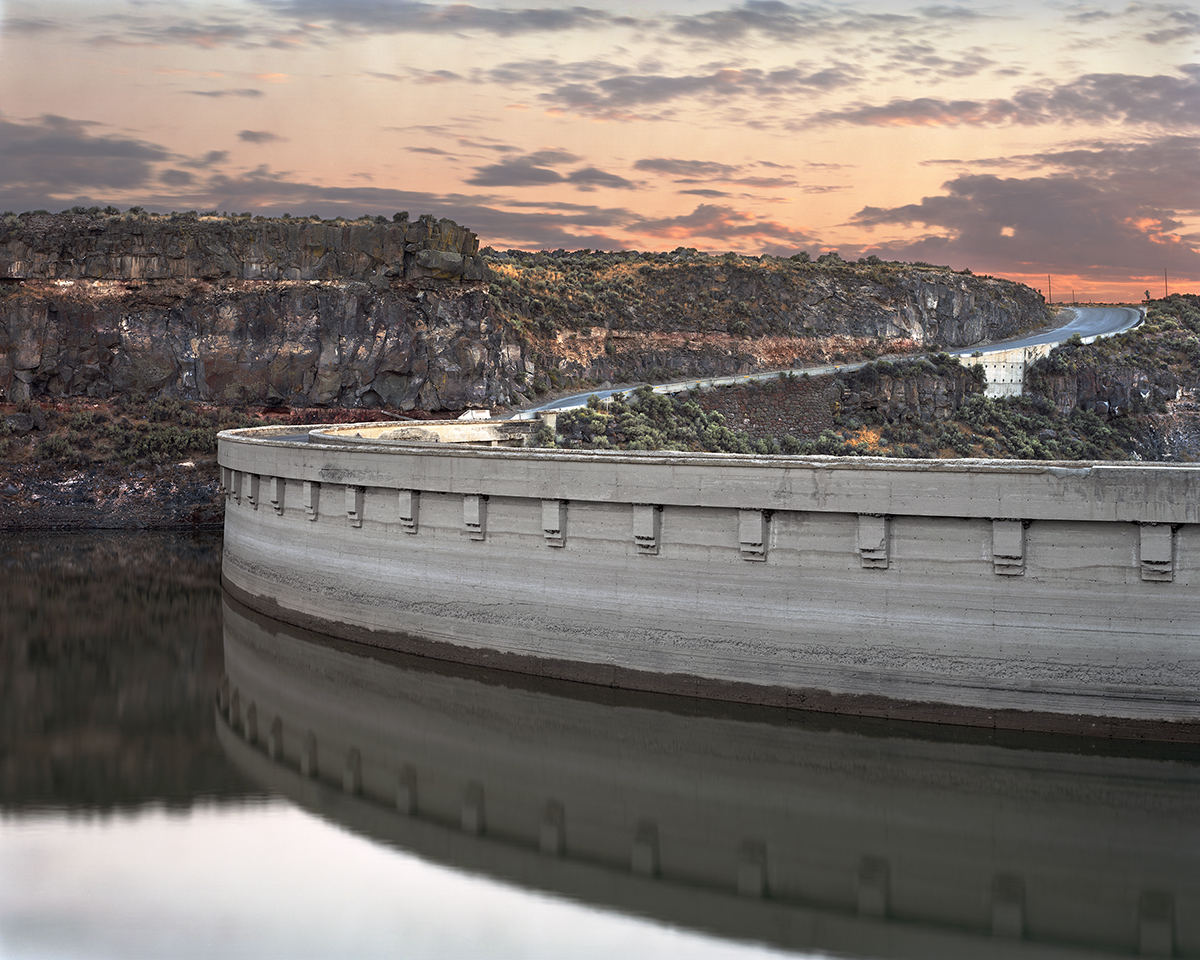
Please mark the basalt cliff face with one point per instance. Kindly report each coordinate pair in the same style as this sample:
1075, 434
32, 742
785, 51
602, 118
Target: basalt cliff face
408, 315
361, 314
187, 247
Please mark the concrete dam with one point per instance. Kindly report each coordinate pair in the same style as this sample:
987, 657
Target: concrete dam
1023, 595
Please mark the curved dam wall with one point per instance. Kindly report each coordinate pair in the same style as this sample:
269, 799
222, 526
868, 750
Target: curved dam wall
1024, 595
825, 834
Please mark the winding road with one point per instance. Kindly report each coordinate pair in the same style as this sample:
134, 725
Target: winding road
1089, 322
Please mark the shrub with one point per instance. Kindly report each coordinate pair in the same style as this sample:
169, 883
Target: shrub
54, 447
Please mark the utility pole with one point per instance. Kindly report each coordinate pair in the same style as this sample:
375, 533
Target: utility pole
1165, 293
1050, 287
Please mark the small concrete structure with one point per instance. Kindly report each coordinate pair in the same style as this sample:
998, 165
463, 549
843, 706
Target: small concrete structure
828, 835
1005, 369
1032, 595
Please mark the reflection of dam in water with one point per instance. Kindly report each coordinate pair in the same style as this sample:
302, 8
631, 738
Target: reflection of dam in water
805, 831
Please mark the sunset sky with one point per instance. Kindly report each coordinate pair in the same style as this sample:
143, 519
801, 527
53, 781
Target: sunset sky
1016, 139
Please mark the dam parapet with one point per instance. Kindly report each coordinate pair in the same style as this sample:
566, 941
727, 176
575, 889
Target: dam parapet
1032, 595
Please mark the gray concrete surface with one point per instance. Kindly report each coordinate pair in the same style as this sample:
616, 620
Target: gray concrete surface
952, 589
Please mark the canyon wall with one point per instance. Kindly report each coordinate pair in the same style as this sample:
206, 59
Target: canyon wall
308, 313
185, 247
410, 315
309, 343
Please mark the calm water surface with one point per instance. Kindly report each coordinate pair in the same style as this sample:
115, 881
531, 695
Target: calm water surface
180, 777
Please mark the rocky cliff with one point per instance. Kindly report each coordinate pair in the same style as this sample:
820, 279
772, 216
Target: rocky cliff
75, 246
310, 313
408, 315
652, 316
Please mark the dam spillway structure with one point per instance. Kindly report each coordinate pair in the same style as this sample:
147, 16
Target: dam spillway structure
1024, 595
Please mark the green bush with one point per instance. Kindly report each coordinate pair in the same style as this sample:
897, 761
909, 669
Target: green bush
55, 447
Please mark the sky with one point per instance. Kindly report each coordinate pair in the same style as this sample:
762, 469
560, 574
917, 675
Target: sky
1018, 139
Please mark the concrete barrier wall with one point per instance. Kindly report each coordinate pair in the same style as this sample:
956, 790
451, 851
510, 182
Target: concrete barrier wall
1018, 594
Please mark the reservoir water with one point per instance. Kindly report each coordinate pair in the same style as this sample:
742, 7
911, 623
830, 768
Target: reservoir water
181, 777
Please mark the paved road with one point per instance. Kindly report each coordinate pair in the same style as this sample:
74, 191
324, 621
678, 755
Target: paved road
1088, 322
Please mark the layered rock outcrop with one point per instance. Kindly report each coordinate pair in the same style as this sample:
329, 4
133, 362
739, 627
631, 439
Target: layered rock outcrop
309, 343
364, 314
935, 306
409, 315
186, 247
630, 316
1112, 388
909, 392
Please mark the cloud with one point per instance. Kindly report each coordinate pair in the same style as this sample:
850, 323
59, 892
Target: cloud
259, 136
405, 16
238, 92
487, 143
211, 159
689, 172
723, 225
919, 58
531, 170
588, 178
130, 27
623, 96
28, 26
177, 178
1173, 25
212, 34
150, 31
416, 76
687, 168
436, 76
536, 169
782, 22
1094, 212
499, 223
1098, 98
54, 155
